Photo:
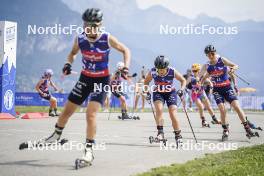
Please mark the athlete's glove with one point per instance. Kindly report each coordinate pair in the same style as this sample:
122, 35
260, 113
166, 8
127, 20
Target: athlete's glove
148, 96
180, 93
124, 72
67, 69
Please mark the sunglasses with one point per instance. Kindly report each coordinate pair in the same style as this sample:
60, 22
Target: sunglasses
195, 71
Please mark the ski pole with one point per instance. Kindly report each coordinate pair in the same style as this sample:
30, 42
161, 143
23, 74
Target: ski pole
184, 109
242, 79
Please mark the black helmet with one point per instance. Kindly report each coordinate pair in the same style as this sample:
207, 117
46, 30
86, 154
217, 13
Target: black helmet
161, 62
92, 15
209, 48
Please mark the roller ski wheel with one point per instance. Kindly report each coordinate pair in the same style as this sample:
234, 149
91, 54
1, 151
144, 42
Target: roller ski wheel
259, 128
136, 117
205, 124
80, 163
252, 134
157, 140
26, 145
225, 136
151, 139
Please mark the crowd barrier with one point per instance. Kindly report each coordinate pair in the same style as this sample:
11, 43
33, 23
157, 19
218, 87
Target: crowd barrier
33, 99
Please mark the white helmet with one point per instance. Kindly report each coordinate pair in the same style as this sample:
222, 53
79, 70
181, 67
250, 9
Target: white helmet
48, 72
120, 65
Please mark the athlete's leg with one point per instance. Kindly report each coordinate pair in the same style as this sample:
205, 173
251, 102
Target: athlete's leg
208, 106
222, 109
136, 102
239, 110
159, 120
200, 108
123, 102
92, 108
143, 102
68, 110
159, 111
173, 117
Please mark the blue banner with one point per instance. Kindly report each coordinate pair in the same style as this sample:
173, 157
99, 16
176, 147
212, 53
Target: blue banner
8, 40
33, 99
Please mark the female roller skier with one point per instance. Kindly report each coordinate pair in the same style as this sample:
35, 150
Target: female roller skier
217, 69
42, 88
164, 91
199, 97
95, 46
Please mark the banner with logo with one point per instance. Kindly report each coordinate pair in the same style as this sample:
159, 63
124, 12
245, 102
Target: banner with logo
8, 43
33, 99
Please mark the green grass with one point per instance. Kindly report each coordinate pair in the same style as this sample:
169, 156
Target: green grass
242, 162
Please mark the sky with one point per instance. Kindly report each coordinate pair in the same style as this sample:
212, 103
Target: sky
227, 10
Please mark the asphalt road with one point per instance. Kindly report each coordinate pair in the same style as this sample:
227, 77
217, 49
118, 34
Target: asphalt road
123, 147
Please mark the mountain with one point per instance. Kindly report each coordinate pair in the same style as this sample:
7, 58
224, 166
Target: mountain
138, 29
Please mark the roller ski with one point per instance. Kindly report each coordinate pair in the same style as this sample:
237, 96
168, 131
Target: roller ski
249, 132
160, 138
178, 139
41, 143
125, 116
205, 124
86, 160
53, 139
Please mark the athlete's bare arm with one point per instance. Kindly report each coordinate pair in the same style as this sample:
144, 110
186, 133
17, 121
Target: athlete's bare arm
122, 48
203, 71
206, 76
74, 51
180, 78
38, 85
53, 85
147, 80
230, 64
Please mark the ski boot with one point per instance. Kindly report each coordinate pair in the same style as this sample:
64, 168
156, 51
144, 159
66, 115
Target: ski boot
178, 138
56, 113
124, 115
160, 138
205, 123
51, 113
225, 132
87, 159
249, 132
215, 120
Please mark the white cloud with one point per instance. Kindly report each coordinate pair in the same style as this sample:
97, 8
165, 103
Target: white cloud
227, 10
